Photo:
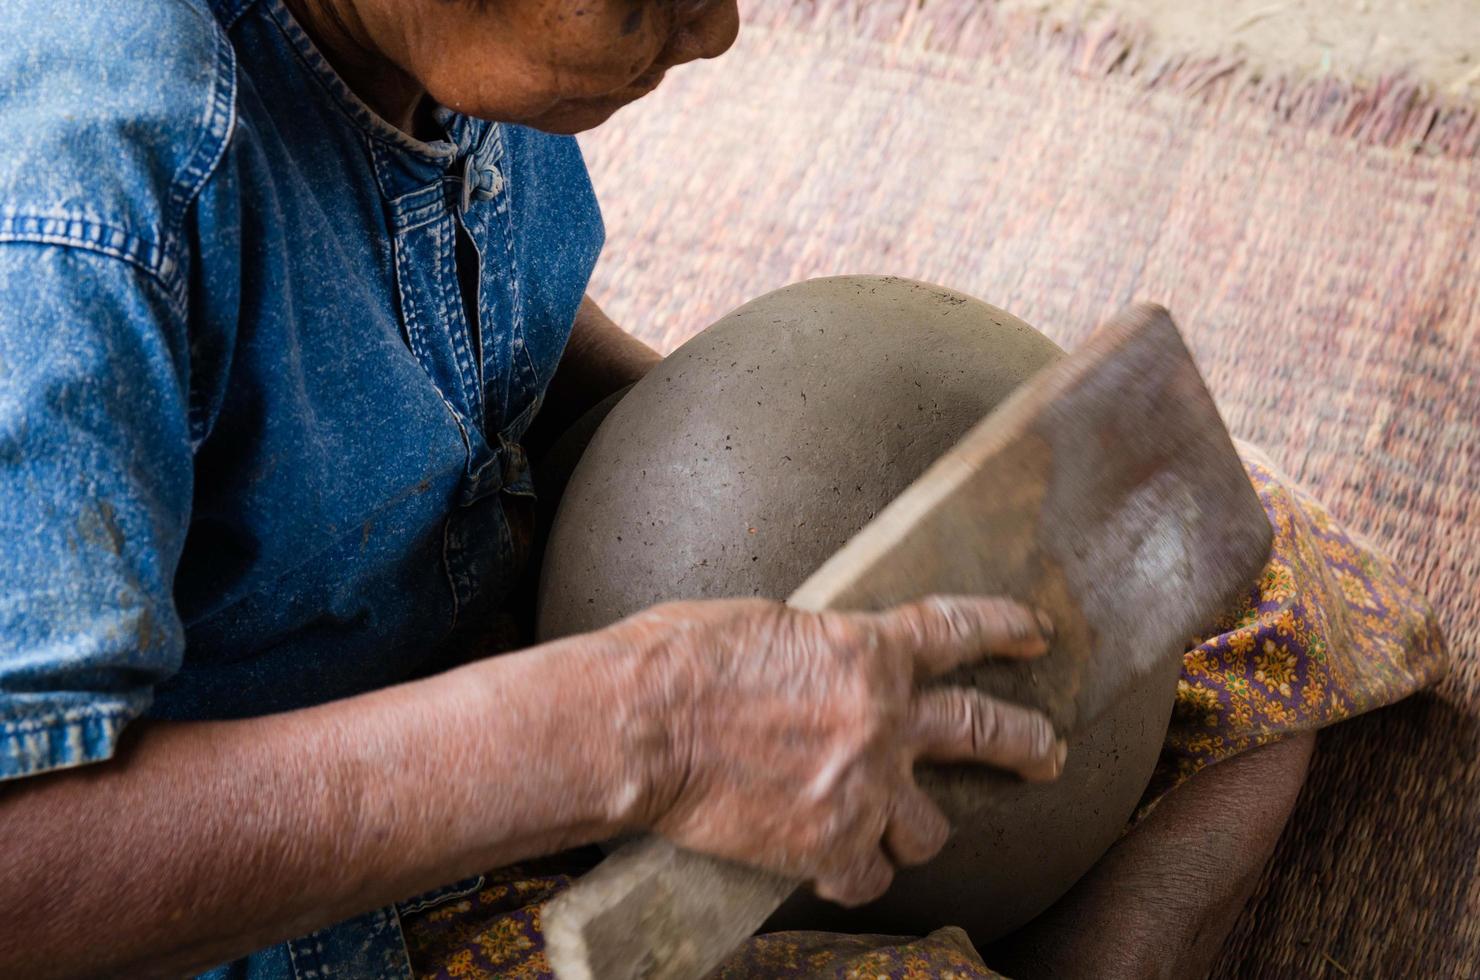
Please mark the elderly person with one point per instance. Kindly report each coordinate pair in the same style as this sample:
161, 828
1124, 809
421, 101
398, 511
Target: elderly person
283, 286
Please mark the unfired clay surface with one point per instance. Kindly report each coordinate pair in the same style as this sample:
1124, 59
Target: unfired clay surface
755, 451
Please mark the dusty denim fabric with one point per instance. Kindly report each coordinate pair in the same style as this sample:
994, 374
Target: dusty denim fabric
253, 456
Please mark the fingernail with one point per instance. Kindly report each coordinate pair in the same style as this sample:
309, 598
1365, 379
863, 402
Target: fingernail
1045, 625
1060, 753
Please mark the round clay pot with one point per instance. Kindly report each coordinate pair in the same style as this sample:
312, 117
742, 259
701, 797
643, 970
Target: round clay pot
750, 455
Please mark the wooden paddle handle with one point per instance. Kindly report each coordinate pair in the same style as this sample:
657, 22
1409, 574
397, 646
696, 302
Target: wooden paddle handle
655, 911
1105, 490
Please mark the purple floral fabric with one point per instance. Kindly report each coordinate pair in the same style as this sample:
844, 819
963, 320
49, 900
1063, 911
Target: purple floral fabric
1331, 629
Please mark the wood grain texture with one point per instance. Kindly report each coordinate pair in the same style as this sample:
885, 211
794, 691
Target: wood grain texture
1327, 278
1105, 490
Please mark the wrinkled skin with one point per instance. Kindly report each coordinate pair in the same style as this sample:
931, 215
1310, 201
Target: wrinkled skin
737, 727
740, 728
794, 734
562, 66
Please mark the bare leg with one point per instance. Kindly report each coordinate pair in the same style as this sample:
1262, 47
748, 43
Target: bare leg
1163, 899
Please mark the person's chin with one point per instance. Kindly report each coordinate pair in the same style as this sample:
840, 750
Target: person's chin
578, 115
568, 119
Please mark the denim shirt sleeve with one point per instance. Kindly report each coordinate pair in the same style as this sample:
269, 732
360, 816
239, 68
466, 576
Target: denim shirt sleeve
95, 484
113, 116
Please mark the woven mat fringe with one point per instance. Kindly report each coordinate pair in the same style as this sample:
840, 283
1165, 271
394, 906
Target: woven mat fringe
1395, 111
1327, 285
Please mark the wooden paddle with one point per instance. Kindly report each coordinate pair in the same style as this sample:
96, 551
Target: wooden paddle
1105, 490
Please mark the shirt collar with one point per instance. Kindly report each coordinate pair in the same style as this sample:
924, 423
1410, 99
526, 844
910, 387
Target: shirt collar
438, 153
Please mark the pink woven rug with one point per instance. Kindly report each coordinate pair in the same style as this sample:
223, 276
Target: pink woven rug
1318, 241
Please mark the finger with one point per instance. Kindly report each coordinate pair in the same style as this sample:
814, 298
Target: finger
943, 632
917, 829
861, 882
956, 724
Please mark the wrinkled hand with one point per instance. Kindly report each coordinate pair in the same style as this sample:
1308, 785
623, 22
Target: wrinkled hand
792, 735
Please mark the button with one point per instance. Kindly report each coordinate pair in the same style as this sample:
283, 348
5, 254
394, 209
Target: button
481, 183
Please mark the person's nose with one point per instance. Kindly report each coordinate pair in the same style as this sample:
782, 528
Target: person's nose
702, 29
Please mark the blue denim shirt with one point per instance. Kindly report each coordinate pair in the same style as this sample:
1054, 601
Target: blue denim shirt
253, 453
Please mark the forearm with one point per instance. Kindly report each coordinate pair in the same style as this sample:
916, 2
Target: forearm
1161, 902
204, 841
599, 358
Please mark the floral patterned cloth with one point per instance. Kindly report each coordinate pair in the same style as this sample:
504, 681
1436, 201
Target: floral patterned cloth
1330, 630
494, 931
